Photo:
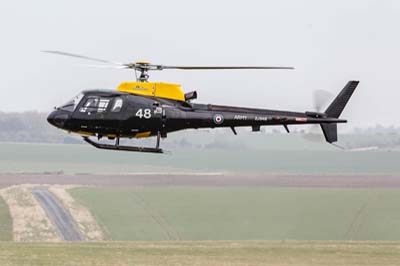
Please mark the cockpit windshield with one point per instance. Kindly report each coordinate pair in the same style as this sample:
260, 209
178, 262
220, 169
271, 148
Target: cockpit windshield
72, 104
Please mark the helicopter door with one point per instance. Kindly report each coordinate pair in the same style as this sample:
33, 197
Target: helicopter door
94, 114
149, 117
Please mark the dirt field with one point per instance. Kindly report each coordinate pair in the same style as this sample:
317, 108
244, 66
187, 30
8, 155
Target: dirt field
250, 180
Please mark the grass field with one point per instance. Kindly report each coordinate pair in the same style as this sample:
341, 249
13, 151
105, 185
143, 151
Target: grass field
5, 222
252, 253
244, 213
86, 159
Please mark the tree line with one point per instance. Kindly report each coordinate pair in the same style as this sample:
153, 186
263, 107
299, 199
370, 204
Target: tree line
31, 127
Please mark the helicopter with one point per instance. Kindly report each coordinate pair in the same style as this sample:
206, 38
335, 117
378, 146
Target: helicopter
144, 109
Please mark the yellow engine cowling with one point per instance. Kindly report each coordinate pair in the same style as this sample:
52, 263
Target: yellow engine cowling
156, 89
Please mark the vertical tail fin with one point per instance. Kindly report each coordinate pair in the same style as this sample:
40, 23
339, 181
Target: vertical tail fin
335, 109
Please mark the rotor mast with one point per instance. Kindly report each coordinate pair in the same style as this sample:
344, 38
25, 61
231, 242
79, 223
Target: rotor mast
143, 69
144, 76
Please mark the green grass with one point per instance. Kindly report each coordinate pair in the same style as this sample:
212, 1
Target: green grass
84, 159
200, 253
5, 222
244, 213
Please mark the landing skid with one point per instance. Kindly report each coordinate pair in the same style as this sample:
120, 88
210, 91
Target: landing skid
118, 147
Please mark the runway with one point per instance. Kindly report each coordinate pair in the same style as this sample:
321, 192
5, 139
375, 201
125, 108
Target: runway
58, 215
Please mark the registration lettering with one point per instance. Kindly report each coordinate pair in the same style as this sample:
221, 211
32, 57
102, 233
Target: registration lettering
261, 118
240, 117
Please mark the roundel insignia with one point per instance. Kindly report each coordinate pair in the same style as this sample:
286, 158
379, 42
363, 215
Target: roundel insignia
218, 119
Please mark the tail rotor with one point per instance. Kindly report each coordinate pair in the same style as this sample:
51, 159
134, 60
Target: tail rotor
334, 110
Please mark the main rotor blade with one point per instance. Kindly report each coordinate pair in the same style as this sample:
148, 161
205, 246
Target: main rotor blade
82, 57
223, 67
107, 66
144, 66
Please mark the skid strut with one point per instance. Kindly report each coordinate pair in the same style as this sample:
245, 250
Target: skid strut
118, 147
158, 140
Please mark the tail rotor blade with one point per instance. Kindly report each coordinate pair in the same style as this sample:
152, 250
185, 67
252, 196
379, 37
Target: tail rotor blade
321, 98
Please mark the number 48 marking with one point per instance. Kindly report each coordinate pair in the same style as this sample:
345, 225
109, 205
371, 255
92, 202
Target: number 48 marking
143, 113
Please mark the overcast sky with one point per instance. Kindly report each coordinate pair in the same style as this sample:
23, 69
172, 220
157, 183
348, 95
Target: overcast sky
329, 43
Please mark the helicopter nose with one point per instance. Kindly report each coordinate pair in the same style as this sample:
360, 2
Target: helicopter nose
57, 119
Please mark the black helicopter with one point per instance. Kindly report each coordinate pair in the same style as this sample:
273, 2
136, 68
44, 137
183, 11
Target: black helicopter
142, 109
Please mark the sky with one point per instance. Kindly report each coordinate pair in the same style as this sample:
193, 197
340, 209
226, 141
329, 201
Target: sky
329, 43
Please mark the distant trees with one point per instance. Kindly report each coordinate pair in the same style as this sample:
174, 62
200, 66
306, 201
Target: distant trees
31, 127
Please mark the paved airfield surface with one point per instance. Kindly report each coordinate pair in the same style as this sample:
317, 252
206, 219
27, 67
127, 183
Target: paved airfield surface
59, 216
190, 179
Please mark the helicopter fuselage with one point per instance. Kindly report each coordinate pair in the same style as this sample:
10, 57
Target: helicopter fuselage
117, 114
142, 108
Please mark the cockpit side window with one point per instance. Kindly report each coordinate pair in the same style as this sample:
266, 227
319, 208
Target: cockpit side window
94, 104
117, 105
103, 103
